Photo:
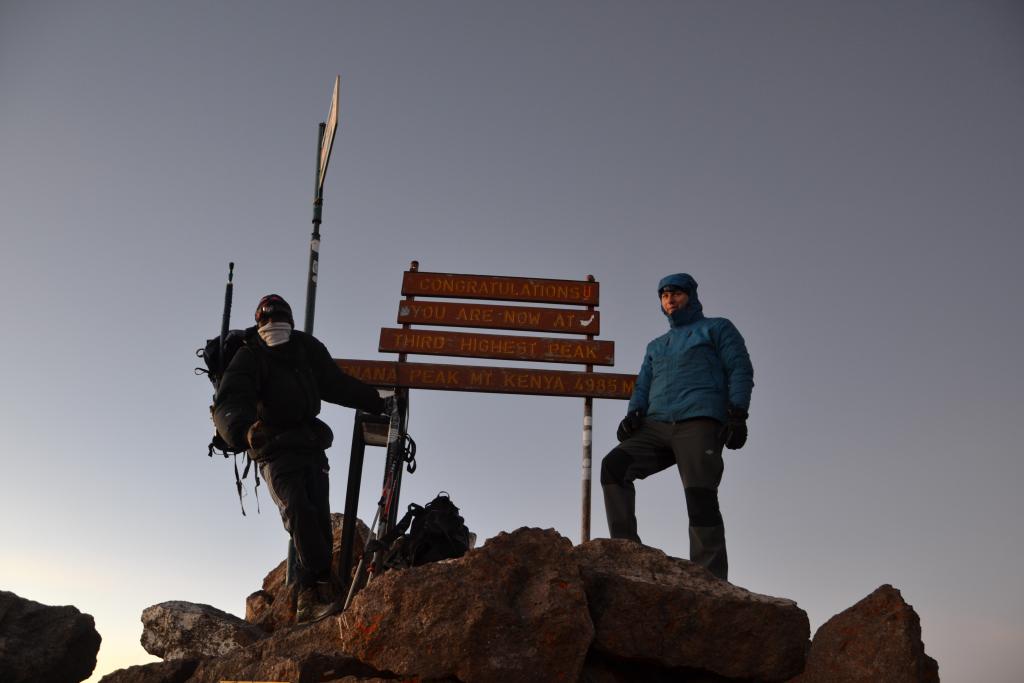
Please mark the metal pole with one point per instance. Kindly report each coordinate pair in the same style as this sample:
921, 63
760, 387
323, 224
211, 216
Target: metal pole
588, 422
355, 476
402, 397
314, 241
314, 265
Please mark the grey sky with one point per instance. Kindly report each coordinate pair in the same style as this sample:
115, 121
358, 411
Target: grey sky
842, 179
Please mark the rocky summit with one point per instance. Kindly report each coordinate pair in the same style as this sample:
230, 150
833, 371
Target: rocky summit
529, 606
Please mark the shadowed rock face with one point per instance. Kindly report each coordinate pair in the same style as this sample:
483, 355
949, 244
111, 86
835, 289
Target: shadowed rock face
174, 671
43, 644
663, 611
513, 610
185, 630
878, 639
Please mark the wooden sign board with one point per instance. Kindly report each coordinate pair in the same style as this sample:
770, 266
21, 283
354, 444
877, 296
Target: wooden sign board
490, 379
494, 316
500, 346
536, 290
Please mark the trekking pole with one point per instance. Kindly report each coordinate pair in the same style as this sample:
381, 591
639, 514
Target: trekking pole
377, 527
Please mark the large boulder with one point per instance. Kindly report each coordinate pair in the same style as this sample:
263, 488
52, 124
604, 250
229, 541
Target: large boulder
309, 652
173, 671
658, 610
186, 630
513, 610
878, 639
602, 669
302, 653
273, 606
43, 644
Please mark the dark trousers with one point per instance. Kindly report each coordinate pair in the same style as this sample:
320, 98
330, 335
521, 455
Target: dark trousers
300, 486
695, 448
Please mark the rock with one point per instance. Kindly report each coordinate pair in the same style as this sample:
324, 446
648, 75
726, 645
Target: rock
513, 610
301, 653
658, 610
601, 669
273, 607
43, 644
361, 535
185, 630
878, 639
174, 671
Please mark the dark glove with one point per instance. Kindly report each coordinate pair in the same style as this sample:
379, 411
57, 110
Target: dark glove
734, 431
629, 425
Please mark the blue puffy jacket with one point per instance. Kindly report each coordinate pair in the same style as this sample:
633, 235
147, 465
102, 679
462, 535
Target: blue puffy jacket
697, 369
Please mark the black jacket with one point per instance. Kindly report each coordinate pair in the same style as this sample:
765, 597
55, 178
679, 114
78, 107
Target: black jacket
282, 386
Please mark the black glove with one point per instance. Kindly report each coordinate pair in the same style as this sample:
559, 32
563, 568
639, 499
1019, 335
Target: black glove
629, 425
734, 431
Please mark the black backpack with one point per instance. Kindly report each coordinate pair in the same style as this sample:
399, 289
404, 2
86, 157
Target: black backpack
214, 371
216, 364
438, 533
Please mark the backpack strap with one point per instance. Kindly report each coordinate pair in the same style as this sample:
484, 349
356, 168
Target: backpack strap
385, 541
245, 473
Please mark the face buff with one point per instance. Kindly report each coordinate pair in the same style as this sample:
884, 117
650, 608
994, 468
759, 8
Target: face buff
274, 334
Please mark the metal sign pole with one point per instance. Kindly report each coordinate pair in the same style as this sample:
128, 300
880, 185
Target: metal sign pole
588, 422
314, 241
324, 144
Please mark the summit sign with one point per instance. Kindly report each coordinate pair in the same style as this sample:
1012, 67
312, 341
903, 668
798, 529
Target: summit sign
535, 290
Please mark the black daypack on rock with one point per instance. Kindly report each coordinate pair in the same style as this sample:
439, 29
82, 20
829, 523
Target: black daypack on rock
438, 533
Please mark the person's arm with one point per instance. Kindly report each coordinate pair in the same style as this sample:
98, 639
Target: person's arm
234, 406
638, 401
739, 373
337, 387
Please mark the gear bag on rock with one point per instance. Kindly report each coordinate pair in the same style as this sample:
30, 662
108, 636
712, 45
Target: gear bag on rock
438, 532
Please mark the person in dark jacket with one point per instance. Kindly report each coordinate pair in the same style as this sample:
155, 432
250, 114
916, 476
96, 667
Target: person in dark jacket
691, 399
267, 403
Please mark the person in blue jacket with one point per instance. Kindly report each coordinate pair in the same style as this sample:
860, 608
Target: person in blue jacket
691, 399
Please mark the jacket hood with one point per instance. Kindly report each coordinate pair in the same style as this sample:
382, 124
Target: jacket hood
693, 311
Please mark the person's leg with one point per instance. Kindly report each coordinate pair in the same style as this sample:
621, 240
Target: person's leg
639, 456
698, 453
295, 489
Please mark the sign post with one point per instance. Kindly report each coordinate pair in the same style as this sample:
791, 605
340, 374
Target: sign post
419, 306
325, 143
588, 428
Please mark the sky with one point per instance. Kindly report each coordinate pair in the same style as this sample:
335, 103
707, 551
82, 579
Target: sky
843, 180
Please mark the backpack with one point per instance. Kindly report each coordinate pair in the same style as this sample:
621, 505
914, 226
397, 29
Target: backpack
438, 533
216, 364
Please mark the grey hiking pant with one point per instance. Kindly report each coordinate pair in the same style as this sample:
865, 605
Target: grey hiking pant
695, 448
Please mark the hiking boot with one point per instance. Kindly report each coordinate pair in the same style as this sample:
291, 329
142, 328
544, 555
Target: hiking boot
315, 603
